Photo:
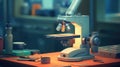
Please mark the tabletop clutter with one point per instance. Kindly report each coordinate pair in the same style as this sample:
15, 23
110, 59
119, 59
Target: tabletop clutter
35, 58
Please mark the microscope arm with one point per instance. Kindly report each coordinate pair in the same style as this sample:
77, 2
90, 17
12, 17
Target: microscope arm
73, 7
77, 32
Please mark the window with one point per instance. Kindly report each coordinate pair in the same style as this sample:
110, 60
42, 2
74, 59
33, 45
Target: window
108, 11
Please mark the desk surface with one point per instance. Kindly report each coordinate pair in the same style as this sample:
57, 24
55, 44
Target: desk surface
55, 63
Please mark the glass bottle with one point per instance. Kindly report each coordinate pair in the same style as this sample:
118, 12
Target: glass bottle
8, 39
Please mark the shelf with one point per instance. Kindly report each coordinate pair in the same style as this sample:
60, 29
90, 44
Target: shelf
112, 18
37, 18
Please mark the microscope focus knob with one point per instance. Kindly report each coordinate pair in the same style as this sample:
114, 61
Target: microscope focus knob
94, 41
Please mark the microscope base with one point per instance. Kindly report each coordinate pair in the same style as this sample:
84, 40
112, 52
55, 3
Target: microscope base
75, 58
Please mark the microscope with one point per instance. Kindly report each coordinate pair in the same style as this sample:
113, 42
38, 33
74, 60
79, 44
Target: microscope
84, 44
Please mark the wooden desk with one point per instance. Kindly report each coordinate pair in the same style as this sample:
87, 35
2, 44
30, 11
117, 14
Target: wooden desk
11, 61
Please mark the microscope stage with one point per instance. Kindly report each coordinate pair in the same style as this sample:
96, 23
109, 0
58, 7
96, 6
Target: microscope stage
62, 36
